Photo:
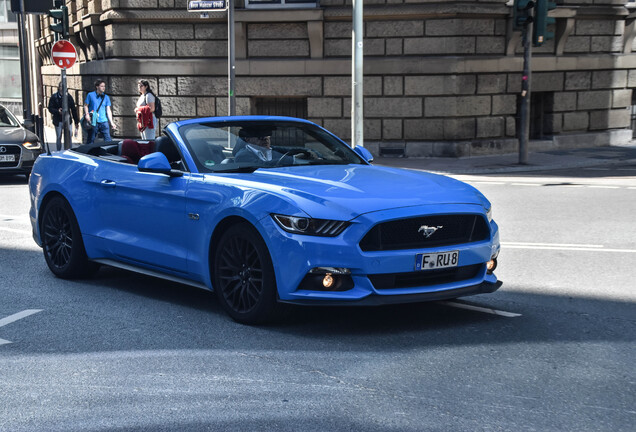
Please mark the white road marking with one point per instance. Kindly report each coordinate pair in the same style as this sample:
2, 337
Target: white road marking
488, 183
480, 309
603, 187
18, 316
18, 231
14, 318
551, 244
561, 248
525, 184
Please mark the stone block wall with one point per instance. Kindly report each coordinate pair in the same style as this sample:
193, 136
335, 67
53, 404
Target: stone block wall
441, 77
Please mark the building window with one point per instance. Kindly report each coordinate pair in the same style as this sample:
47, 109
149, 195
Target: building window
5, 12
290, 107
10, 81
278, 4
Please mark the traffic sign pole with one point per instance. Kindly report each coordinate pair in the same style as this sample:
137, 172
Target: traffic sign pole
231, 73
64, 55
65, 119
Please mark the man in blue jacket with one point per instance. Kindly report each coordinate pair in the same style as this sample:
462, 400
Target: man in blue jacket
98, 112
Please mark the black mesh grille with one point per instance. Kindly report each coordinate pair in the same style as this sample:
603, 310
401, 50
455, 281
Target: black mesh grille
409, 234
425, 278
10, 150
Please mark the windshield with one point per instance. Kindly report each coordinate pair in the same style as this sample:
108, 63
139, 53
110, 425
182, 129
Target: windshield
7, 119
248, 145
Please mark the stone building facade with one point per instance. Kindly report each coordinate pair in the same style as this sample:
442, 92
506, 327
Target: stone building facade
442, 78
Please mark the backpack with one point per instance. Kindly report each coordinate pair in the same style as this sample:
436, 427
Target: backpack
158, 113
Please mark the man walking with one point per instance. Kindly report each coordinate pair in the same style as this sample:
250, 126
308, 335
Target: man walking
55, 108
97, 112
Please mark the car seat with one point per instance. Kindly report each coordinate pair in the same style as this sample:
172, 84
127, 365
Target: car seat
133, 150
165, 145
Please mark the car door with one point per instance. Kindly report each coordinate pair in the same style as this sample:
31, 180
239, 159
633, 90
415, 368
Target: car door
142, 216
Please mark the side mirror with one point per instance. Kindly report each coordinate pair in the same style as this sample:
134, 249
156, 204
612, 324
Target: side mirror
157, 163
364, 153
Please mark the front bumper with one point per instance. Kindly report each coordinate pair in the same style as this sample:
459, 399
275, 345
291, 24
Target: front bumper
294, 256
379, 300
24, 160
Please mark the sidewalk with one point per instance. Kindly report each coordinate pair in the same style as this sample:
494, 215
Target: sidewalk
537, 161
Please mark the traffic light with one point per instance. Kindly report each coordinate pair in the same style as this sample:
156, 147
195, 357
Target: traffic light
522, 13
540, 31
60, 24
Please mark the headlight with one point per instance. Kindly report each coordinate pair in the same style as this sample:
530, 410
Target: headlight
308, 226
489, 214
31, 146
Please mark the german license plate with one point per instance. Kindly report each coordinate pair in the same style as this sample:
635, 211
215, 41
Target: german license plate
434, 261
7, 158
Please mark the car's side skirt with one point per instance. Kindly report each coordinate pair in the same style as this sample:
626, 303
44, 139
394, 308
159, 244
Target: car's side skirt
152, 273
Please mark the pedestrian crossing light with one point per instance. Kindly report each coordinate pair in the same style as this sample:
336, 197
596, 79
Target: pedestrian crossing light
60, 21
540, 32
522, 13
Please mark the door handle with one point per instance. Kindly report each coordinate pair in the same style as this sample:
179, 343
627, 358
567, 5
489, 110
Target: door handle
108, 183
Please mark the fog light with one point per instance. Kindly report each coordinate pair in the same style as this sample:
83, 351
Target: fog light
491, 265
327, 281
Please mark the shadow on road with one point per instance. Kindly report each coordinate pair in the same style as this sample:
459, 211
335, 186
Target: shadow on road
120, 310
17, 179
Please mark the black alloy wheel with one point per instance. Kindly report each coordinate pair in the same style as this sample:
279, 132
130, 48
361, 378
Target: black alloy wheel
244, 276
62, 241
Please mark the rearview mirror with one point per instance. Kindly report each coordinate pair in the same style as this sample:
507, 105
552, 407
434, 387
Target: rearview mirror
364, 153
157, 163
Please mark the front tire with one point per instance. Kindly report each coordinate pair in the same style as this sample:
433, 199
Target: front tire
244, 278
62, 241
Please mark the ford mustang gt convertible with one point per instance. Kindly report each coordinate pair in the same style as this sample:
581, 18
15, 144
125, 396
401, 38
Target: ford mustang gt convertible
263, 211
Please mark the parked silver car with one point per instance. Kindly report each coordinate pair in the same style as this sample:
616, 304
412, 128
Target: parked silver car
19, 147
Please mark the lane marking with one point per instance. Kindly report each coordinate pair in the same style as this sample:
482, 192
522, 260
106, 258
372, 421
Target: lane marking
15, 317
570, 248
13, 230
551, 244
18, 316
480, 309
486, 183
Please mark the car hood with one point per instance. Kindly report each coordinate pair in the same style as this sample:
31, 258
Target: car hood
345, 192
16, 135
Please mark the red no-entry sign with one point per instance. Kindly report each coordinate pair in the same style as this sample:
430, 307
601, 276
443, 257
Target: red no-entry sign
64, 54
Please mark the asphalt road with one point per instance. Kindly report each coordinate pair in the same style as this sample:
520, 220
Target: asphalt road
128, 352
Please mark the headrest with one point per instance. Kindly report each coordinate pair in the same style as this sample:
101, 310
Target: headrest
165, 145
255, 131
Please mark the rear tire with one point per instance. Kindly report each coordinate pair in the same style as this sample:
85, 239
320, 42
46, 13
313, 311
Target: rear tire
244, 278
62, 241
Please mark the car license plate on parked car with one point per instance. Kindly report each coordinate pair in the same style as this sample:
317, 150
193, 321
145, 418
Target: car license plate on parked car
434, 261
7, 158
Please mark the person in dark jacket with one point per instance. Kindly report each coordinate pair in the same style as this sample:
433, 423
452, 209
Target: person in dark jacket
55, 108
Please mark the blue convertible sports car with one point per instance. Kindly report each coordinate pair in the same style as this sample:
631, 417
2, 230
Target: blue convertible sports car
264, 211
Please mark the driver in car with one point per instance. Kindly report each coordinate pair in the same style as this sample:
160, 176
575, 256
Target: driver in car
258, 148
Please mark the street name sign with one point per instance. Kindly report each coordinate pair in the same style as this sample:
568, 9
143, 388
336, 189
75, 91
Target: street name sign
207, 5
64, 54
